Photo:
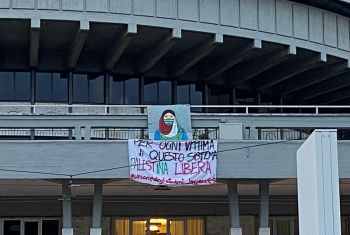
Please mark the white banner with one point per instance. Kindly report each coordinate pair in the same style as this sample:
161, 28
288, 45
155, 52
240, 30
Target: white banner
183, 163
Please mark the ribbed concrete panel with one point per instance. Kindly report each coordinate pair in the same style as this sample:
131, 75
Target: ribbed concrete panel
97, 5
249, 14
301, 22
26, 4
49, 4
188, 10
316, 25
144, 7
284, 18
4, 3
229, 12
73, 5
267, 16
343, 33
330, 29
120, 6
166, 8
209, 11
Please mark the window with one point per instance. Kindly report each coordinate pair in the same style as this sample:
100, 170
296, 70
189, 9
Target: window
124, 91
218, 96
183, 94
14, 86
158, 226
116, 91
51, 87
132, 91
50, 227
22, 86
12, 227
189, 94
158, 93
31, 226
88, 88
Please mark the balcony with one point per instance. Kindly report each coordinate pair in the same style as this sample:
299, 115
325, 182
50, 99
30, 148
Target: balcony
122, 122
81, 141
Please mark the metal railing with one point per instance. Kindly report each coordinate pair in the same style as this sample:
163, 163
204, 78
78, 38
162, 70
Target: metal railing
95, 133
80, 109
294, 134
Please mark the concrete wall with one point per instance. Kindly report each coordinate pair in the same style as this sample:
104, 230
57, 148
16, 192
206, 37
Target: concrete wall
67, 158
220, 225
271, 20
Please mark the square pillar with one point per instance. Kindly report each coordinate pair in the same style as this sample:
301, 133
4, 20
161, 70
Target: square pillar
264, 208
318, 184
234, 209
264, 231
236, 231
95, 231
67, 228
97, 210
67, 231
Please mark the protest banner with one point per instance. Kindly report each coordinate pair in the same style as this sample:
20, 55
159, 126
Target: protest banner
182, 163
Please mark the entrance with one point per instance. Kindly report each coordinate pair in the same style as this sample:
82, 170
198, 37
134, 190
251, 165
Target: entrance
30, 227
158, 226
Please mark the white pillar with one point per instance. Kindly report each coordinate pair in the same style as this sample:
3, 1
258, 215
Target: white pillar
264, 208
67, 228
234, 209
97, 210
318, 184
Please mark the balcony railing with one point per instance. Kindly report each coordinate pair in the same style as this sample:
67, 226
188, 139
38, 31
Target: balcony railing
293, 134
63, 109
106, 133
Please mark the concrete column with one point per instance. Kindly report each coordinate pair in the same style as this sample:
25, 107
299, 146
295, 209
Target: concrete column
234, 209
97, 210
264, 208
318, 184
70, 91
32, 87
206, 97
67, 228
174, 91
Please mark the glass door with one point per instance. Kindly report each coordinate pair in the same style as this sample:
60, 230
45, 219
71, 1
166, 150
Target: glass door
177, 227
31, 227
139, 227
158, 226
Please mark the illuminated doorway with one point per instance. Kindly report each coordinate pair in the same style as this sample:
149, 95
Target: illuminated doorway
158, 226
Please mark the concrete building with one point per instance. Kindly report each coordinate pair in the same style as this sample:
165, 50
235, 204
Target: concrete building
77, 76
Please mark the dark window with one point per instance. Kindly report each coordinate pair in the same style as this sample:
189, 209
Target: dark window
80, 88
51, 87
59, 87
218, 96
14, 86
96, 89
165, 92
7, 89
43, 87
50, 227
116, 91
88, 89
12, 227
183, 94
132, 91
151, 93
22, 86
196, 95
31, 228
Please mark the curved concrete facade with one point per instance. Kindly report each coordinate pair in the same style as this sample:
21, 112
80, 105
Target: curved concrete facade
283, 22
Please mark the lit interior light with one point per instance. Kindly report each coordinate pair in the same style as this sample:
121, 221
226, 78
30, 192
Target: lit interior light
153, 228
